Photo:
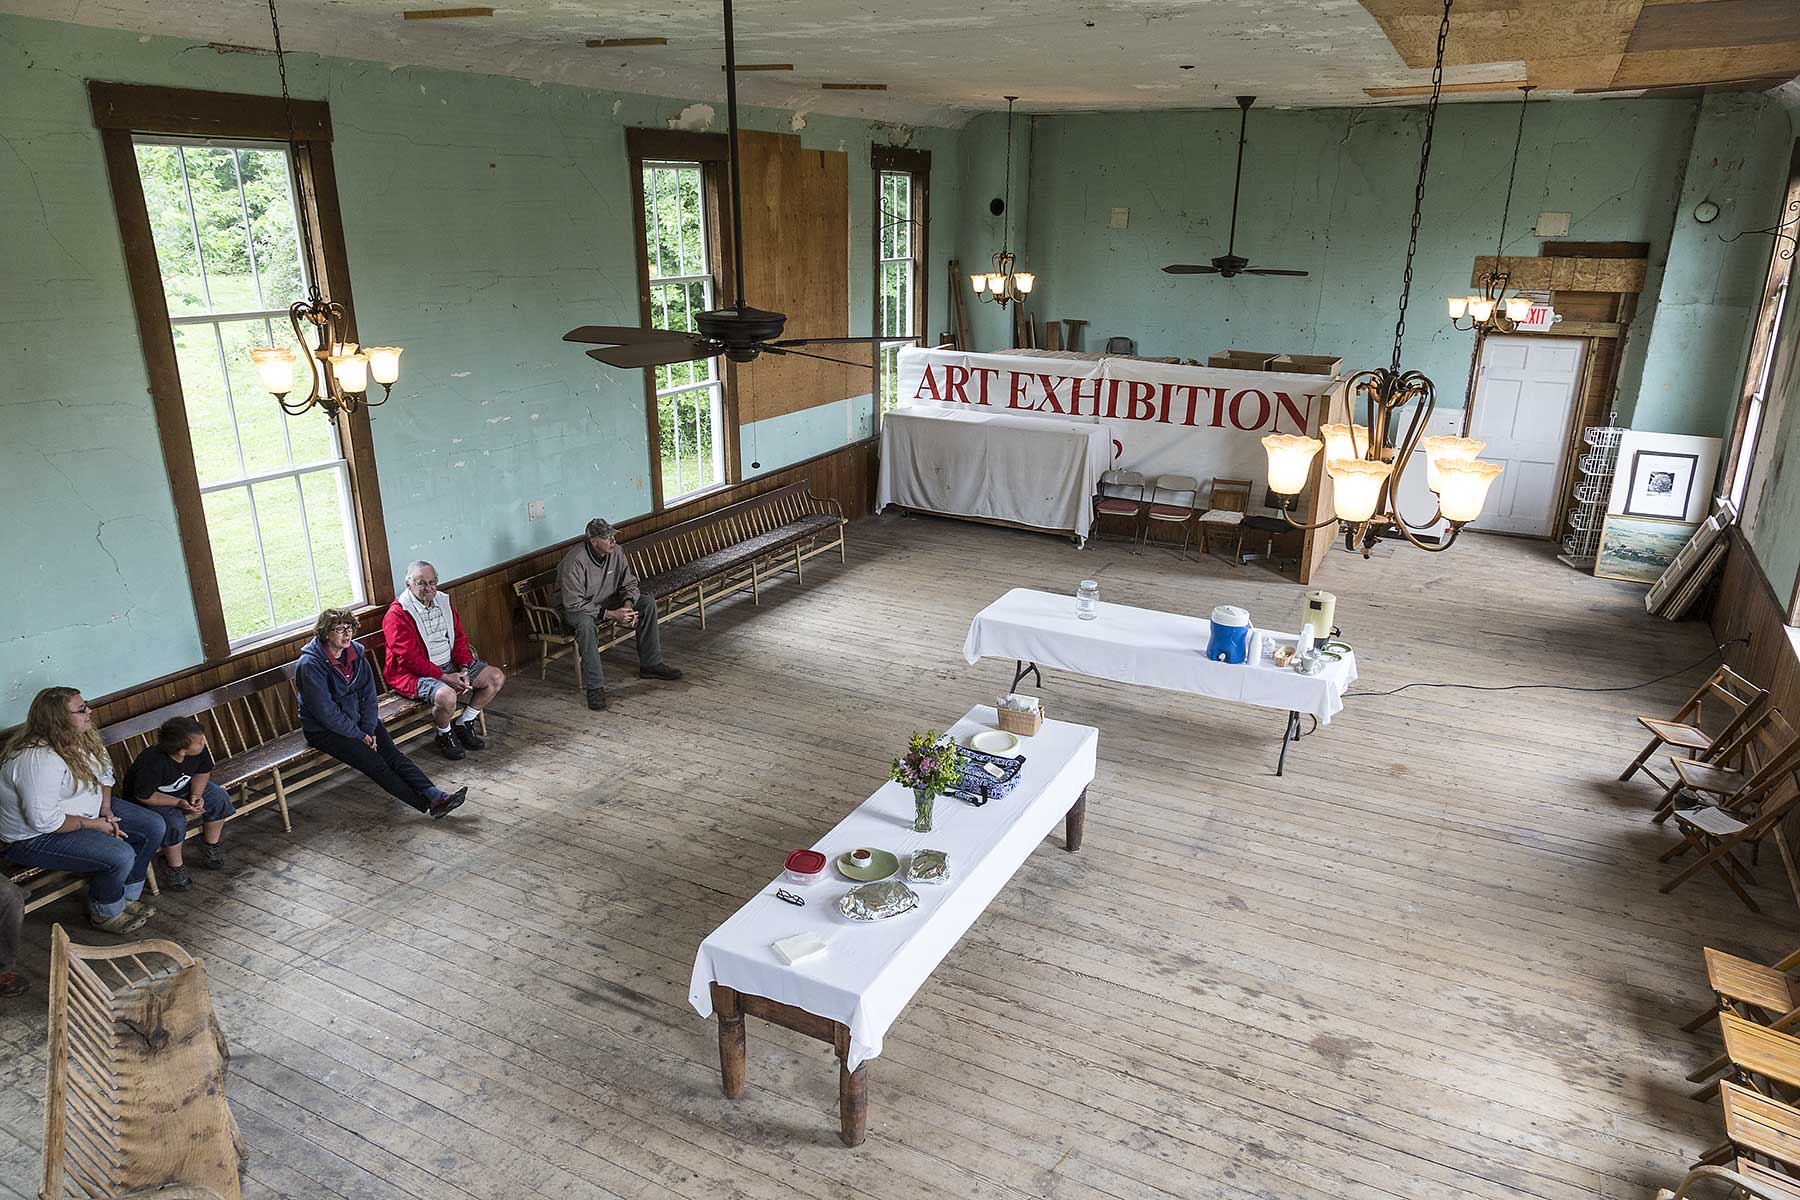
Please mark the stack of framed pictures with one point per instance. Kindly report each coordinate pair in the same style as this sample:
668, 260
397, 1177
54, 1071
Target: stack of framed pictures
1639, 549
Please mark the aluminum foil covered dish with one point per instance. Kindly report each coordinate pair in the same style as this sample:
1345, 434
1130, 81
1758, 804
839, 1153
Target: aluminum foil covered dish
876, 901
928, 866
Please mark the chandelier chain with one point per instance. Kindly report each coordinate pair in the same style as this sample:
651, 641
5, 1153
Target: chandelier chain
287, 108
1006, 205
1511, 175
1412, 241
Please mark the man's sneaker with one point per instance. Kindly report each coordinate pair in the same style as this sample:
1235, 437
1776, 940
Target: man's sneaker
13, 984
126, 922
448, 804
465, 733
596, 698
212, 856
447, 746
659, 671
174, 879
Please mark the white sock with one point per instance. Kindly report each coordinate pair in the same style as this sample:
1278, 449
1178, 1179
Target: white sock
469, 714
443, 729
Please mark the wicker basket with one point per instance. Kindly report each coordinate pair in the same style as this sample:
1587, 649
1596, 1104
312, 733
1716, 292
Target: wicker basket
1024, 724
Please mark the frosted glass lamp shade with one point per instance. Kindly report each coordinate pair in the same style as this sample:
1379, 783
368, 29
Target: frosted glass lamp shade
1518, 308
1442, 449
1290, 461
275, 364
1344, 441
1481, 309
384, 363
996, 283
1357, 486
1458, 306
978, 281
1464, 488
351, 372
1024, 281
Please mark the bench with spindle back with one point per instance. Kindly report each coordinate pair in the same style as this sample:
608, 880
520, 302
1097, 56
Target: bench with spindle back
259, 754
700, 561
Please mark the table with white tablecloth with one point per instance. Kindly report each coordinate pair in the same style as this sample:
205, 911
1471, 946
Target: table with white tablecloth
1040, 472
868, 972
1155, 649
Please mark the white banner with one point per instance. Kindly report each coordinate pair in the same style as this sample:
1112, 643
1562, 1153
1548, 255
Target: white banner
1162, 418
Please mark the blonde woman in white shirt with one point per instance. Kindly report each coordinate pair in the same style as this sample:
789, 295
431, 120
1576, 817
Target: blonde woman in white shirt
56, 810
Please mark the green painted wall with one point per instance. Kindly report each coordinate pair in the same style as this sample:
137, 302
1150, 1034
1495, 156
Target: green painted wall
484, 217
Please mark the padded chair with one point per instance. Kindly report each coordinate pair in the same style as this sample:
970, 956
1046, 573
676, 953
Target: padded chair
1225, 514
1112, 501
1165, 505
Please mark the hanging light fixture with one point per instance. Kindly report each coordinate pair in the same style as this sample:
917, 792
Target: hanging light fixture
339, 371
1003, 285
1365, 464
1493, 311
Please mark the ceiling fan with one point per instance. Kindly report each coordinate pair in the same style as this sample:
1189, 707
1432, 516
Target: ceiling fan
1231, 263
740, 332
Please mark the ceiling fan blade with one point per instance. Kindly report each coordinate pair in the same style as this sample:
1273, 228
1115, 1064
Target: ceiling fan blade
653, 354
1270, 271
773, 348
1189, 269
623, 335
843, 341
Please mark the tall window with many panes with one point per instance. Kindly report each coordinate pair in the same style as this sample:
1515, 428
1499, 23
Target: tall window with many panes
689, 396
897, 274
275, 488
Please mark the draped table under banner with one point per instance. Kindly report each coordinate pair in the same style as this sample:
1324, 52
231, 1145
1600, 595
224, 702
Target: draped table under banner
1023, 470
855, 990
1155, 649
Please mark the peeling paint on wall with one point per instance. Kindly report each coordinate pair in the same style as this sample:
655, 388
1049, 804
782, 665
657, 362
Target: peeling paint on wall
695, 118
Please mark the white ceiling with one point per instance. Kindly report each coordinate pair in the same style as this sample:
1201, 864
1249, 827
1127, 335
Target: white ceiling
942, 59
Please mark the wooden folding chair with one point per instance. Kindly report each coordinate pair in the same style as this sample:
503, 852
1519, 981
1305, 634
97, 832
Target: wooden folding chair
1723, 770
1744, 1178
1112, 500
1767, 995
1762, 1059
1225, 513
1170, 510
1715, 710
1713, 832
1757, 1124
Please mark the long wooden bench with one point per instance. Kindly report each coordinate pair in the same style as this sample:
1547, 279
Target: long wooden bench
259, 753
700, 561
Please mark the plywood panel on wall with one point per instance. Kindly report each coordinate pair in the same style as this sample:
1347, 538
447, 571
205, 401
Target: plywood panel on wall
797, 261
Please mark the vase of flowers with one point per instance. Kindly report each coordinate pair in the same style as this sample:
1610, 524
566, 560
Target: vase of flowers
931, 766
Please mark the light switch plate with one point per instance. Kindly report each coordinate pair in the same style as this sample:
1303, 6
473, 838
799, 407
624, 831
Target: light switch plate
1120, 218
534, 511
1553, 224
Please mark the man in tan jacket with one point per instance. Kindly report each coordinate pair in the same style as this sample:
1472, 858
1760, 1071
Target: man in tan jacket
598, 585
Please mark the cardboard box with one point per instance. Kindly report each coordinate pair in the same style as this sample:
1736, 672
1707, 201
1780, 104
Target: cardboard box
1308, 364
1242, 360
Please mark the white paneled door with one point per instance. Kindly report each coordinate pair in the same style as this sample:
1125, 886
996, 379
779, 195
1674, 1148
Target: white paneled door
1523, 403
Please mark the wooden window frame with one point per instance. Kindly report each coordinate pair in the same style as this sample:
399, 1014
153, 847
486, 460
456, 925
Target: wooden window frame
123, 110
916, 163
711, 151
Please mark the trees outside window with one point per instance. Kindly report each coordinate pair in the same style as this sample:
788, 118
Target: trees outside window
689, 396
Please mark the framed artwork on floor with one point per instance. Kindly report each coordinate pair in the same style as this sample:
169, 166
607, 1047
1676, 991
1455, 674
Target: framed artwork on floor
1661, 484
1639, 549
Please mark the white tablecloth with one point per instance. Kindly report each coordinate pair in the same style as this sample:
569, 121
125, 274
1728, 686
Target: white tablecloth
1036, 471
1140, 645
871, 969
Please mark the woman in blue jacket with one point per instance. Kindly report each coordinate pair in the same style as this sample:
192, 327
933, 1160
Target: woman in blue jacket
336, 686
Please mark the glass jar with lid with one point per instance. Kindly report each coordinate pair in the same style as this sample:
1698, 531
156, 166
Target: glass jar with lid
1087, 599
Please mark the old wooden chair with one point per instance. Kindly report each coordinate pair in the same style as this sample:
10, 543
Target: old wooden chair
1121, 495
1224, 515
1717, 706
135, 1102
1743, 1180
1762, 1059
1714, 832
1166, 505
1757, 1124
1751, 991
1723, 770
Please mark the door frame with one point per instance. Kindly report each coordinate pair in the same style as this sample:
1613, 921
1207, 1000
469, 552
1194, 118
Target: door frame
1572, 422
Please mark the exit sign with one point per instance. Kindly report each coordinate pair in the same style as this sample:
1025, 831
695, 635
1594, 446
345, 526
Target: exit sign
1539, 320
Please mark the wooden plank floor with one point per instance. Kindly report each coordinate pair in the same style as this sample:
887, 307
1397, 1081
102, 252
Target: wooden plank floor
1431, 961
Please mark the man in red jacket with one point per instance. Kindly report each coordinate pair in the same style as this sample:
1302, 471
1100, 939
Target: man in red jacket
429, 658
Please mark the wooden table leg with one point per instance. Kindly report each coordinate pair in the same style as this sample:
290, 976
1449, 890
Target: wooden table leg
1075, 824
853, 1094
731, 1039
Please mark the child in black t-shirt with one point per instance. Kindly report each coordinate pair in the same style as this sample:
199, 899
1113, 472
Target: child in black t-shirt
172, 781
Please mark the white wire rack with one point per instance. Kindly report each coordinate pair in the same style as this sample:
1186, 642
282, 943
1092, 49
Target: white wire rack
1588, 513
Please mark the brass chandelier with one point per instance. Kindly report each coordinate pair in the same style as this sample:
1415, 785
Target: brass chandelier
338, 370
1003, 285
1493, 311
1364, 461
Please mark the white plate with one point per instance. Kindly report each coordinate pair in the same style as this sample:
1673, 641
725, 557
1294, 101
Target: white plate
994, 741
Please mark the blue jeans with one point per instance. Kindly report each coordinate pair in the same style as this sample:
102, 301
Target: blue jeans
173, 819
116, 866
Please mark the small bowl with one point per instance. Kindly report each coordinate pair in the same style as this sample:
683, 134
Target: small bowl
804, 866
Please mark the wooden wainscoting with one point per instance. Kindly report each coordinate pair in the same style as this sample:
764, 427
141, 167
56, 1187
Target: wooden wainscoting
1744, 605
485, 600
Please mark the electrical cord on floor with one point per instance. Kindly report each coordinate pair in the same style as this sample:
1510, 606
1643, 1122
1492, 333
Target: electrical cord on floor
1718, 651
